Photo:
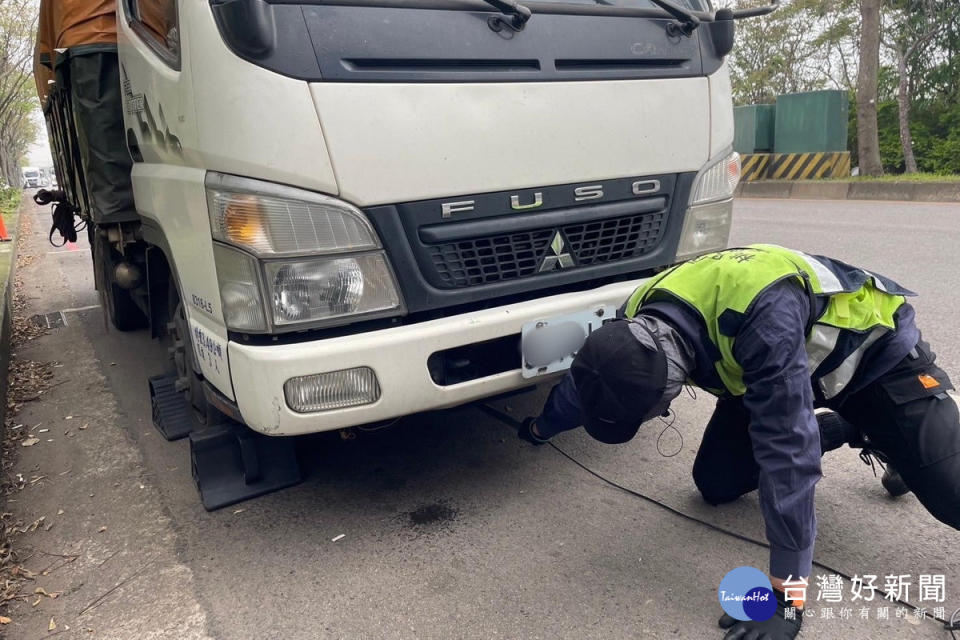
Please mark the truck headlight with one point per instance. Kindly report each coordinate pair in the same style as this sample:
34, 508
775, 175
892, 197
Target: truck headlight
324, 288
706, 226
297, 258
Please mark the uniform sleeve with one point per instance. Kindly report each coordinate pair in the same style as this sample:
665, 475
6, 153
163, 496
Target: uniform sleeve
770, 347
562, 410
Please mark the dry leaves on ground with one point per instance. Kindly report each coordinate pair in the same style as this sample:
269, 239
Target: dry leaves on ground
28, 380
23, 329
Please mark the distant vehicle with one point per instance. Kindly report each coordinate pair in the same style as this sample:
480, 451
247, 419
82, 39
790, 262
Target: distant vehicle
31, 178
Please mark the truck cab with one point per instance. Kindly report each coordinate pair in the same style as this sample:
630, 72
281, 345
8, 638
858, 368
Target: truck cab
31, 178
341, 212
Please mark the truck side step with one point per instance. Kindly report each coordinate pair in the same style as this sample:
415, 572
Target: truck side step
172, 415
231, 463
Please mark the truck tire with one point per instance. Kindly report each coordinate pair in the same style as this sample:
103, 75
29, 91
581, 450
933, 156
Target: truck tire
124, 313
183, 361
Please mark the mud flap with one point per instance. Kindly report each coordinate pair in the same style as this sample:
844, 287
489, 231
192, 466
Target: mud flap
172, 415
231, 463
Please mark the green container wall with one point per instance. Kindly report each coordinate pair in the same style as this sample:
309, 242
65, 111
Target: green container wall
812, 121
753, 128
744, 129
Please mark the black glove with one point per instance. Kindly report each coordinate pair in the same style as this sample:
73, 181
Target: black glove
776, 628
63, 215
525, 432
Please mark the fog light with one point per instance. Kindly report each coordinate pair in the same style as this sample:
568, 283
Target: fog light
332, 390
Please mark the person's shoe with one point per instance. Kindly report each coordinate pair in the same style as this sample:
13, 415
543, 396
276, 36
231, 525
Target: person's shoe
525, 432
893, 483
891, 479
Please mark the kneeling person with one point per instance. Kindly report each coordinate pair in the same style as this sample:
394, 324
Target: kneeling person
774, 333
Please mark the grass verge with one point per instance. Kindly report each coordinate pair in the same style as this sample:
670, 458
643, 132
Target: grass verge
9, 203
10, 200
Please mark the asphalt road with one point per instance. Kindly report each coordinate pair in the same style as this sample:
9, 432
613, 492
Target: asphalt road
452, 527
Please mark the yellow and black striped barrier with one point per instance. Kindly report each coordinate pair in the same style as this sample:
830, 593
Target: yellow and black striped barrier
754, 166
795, 166
809, 166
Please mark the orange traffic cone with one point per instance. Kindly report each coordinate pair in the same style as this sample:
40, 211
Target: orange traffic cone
4, 236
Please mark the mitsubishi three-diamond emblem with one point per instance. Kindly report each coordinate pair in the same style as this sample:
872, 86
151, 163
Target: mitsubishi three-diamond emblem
557, 257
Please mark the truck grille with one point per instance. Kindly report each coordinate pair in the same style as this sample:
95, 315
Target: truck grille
497, 258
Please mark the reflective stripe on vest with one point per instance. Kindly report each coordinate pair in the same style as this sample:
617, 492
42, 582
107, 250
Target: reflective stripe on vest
837, 380
820, 344
829, 283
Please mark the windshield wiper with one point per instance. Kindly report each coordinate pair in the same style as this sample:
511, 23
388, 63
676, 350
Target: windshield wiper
514, 17
739, 14
688, 21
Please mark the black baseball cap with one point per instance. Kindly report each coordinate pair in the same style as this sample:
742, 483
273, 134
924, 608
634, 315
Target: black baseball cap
619, 381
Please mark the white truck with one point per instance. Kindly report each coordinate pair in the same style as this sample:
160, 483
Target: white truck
345, 211
31, 177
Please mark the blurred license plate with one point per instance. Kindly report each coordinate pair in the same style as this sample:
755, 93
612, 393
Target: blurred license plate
549, 345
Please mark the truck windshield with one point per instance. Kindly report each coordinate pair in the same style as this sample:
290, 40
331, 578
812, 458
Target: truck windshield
695, 5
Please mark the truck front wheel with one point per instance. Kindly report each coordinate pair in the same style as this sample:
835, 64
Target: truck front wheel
183, 361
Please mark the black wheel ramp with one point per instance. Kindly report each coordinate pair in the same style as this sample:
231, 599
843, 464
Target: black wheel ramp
230, 463
172, 415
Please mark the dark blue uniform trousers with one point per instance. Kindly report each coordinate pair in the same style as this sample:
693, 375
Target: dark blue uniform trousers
905, 414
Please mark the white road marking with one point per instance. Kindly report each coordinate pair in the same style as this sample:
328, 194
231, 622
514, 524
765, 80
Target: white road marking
75, 309
67, 252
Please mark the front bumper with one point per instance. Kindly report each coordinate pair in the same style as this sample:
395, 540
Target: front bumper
399, 358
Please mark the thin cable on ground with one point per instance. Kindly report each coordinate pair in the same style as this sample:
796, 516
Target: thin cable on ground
667, 427
379, 427
710, 525
510, 422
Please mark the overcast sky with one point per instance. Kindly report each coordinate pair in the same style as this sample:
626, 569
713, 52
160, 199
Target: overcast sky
39, 153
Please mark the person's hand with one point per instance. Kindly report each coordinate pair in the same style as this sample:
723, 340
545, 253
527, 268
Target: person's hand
526, 432
776, 628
